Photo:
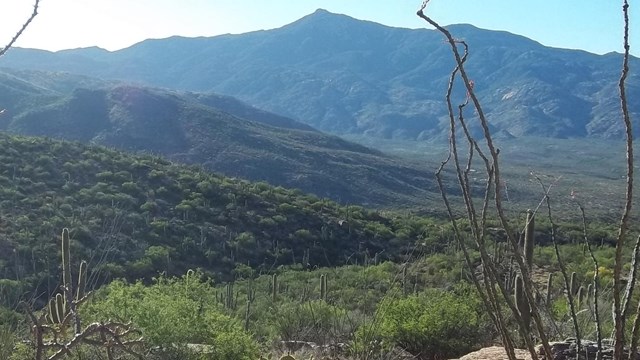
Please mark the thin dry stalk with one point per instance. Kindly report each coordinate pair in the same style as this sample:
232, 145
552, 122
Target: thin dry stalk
22, 29
596, 285
492, 168
619, 316
489, 298
563, 268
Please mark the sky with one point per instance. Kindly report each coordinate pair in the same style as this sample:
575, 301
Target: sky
591, 25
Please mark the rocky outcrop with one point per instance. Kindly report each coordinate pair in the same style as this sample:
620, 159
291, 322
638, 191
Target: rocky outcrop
567, 349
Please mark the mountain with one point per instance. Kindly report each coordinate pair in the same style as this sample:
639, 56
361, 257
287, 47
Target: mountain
348, 76
218, 132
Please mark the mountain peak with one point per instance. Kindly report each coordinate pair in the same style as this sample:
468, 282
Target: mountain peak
321, 15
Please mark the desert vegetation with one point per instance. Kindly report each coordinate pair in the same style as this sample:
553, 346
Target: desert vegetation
109, 255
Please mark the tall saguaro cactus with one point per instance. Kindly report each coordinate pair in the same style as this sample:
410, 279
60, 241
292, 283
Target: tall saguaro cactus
63, 305
50, 330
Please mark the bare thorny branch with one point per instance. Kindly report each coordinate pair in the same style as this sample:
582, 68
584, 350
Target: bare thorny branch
621, 304
22, 29
477, 228
562, 266
595, 282
620, 310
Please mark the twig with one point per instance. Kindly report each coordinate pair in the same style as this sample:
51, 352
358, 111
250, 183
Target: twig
619, 318
19, 33
596, 285
494, 168
563, 268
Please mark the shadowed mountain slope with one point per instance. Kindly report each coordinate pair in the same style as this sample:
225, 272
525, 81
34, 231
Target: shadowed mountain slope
219, 132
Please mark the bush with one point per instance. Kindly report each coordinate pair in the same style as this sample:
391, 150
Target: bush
314, 321
174, 312
435, 324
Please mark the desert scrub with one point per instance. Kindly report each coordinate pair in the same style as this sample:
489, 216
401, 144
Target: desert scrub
433, 324
174, 312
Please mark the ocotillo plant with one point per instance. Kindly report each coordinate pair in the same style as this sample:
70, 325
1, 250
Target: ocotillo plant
529, 239
522, 303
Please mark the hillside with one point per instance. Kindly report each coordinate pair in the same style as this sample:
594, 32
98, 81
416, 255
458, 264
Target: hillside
348, 76
133, 216
218, 132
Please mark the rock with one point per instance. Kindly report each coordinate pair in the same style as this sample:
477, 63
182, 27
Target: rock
566, 350
495, 353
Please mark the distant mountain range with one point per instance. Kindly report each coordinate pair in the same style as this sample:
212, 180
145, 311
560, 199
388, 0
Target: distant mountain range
348, 76
218, 132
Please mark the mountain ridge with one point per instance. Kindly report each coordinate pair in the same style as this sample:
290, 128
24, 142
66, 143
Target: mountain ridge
349, 76
221, 133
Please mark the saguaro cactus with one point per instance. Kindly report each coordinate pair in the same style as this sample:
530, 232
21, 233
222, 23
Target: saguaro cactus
323, 287
404, 281
60, 306
549, 285
56, 341
274, 287
522, 304
573, 284
229, 300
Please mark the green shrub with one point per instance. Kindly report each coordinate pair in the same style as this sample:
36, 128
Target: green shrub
435, 324
314, 321
174, 312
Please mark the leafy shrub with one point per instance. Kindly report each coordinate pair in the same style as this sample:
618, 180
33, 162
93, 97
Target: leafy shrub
435, 324
174, 312
314, 321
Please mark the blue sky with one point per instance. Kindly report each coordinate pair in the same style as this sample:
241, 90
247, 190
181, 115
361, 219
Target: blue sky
592, 25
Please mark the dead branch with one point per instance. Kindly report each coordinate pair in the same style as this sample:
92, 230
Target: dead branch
24, 27
619, 316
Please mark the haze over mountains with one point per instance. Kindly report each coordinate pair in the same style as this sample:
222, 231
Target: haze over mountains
218, 132
349, 76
